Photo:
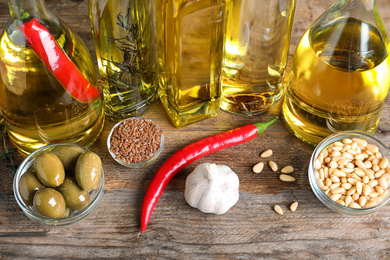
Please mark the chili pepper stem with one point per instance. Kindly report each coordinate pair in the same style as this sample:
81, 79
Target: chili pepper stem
262, 126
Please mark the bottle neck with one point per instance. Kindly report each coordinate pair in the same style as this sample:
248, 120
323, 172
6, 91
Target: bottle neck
367, 4
22, 9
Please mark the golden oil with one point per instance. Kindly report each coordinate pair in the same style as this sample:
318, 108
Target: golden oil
190, 49
339, 80
36, 108
257, 42
125, 45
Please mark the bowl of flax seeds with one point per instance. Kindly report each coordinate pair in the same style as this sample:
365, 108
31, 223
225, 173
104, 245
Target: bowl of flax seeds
135, 142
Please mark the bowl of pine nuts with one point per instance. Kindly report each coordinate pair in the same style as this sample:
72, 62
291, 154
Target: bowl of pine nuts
349, 172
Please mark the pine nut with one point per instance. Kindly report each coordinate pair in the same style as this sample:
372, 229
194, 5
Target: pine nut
339, 173
294, 206
359, 157
360, 164
334, 185
346, 186
347, 155
359, 172
335, 197
379, 189
347, 141
289, 169
347, 200
359, 187
273, 165
258, 167
278, 209
362, 143
341, 202
379, 173
373, 183
366, 190
333, 164
374, 194
354, 205
287, 178
383, 183
317, 164
351, 190
266, 153
367, 164
355, 196
328, 182
352, 181
372, 148
338, 191
370, 204
362, 201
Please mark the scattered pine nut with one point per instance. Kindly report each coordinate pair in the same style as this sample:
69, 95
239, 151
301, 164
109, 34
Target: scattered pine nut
286, 178
266, 153
273, 165
287, 169
258, 167
278, 209
294, 206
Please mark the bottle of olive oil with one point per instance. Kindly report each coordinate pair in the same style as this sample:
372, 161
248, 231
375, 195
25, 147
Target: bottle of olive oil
340, 74
190, 48
36, 106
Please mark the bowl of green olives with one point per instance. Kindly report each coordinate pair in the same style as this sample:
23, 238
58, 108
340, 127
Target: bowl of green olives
59, 184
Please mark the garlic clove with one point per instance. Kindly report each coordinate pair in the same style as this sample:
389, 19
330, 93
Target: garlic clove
212, 188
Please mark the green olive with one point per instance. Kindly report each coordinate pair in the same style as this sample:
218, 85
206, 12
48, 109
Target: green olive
28, 185
68, 155
88, 170
75, 197
49, 203
66, 213
49, 168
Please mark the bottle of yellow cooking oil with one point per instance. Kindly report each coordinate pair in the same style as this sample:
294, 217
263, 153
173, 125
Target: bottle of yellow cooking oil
190, 48
340, 73
38, 108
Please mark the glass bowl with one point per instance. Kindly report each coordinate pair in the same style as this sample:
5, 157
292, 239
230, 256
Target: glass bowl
96, 195
124, 138
320, 193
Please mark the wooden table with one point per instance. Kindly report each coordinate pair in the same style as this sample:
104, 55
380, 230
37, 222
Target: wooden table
250, 230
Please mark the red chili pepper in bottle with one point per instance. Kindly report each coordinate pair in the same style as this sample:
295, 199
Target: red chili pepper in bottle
190, 153
52, 55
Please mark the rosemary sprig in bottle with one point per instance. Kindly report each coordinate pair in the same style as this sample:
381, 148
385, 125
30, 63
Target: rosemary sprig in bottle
133, 55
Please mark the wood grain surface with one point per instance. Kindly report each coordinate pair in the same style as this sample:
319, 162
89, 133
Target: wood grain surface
249, 230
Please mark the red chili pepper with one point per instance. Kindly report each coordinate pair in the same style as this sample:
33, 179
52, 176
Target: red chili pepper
191, 153
44, 45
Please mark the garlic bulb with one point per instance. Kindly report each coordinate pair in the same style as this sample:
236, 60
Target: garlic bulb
212, 188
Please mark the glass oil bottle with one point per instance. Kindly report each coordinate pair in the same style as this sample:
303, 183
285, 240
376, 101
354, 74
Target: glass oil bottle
340, 74
257, 42
190, 48
125, 44
36, 107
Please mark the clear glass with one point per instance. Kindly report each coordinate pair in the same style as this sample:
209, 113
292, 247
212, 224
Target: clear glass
257, 42
340, 73
190, 48
125, 45
36, 106
96, 196
138, 164
383, 149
